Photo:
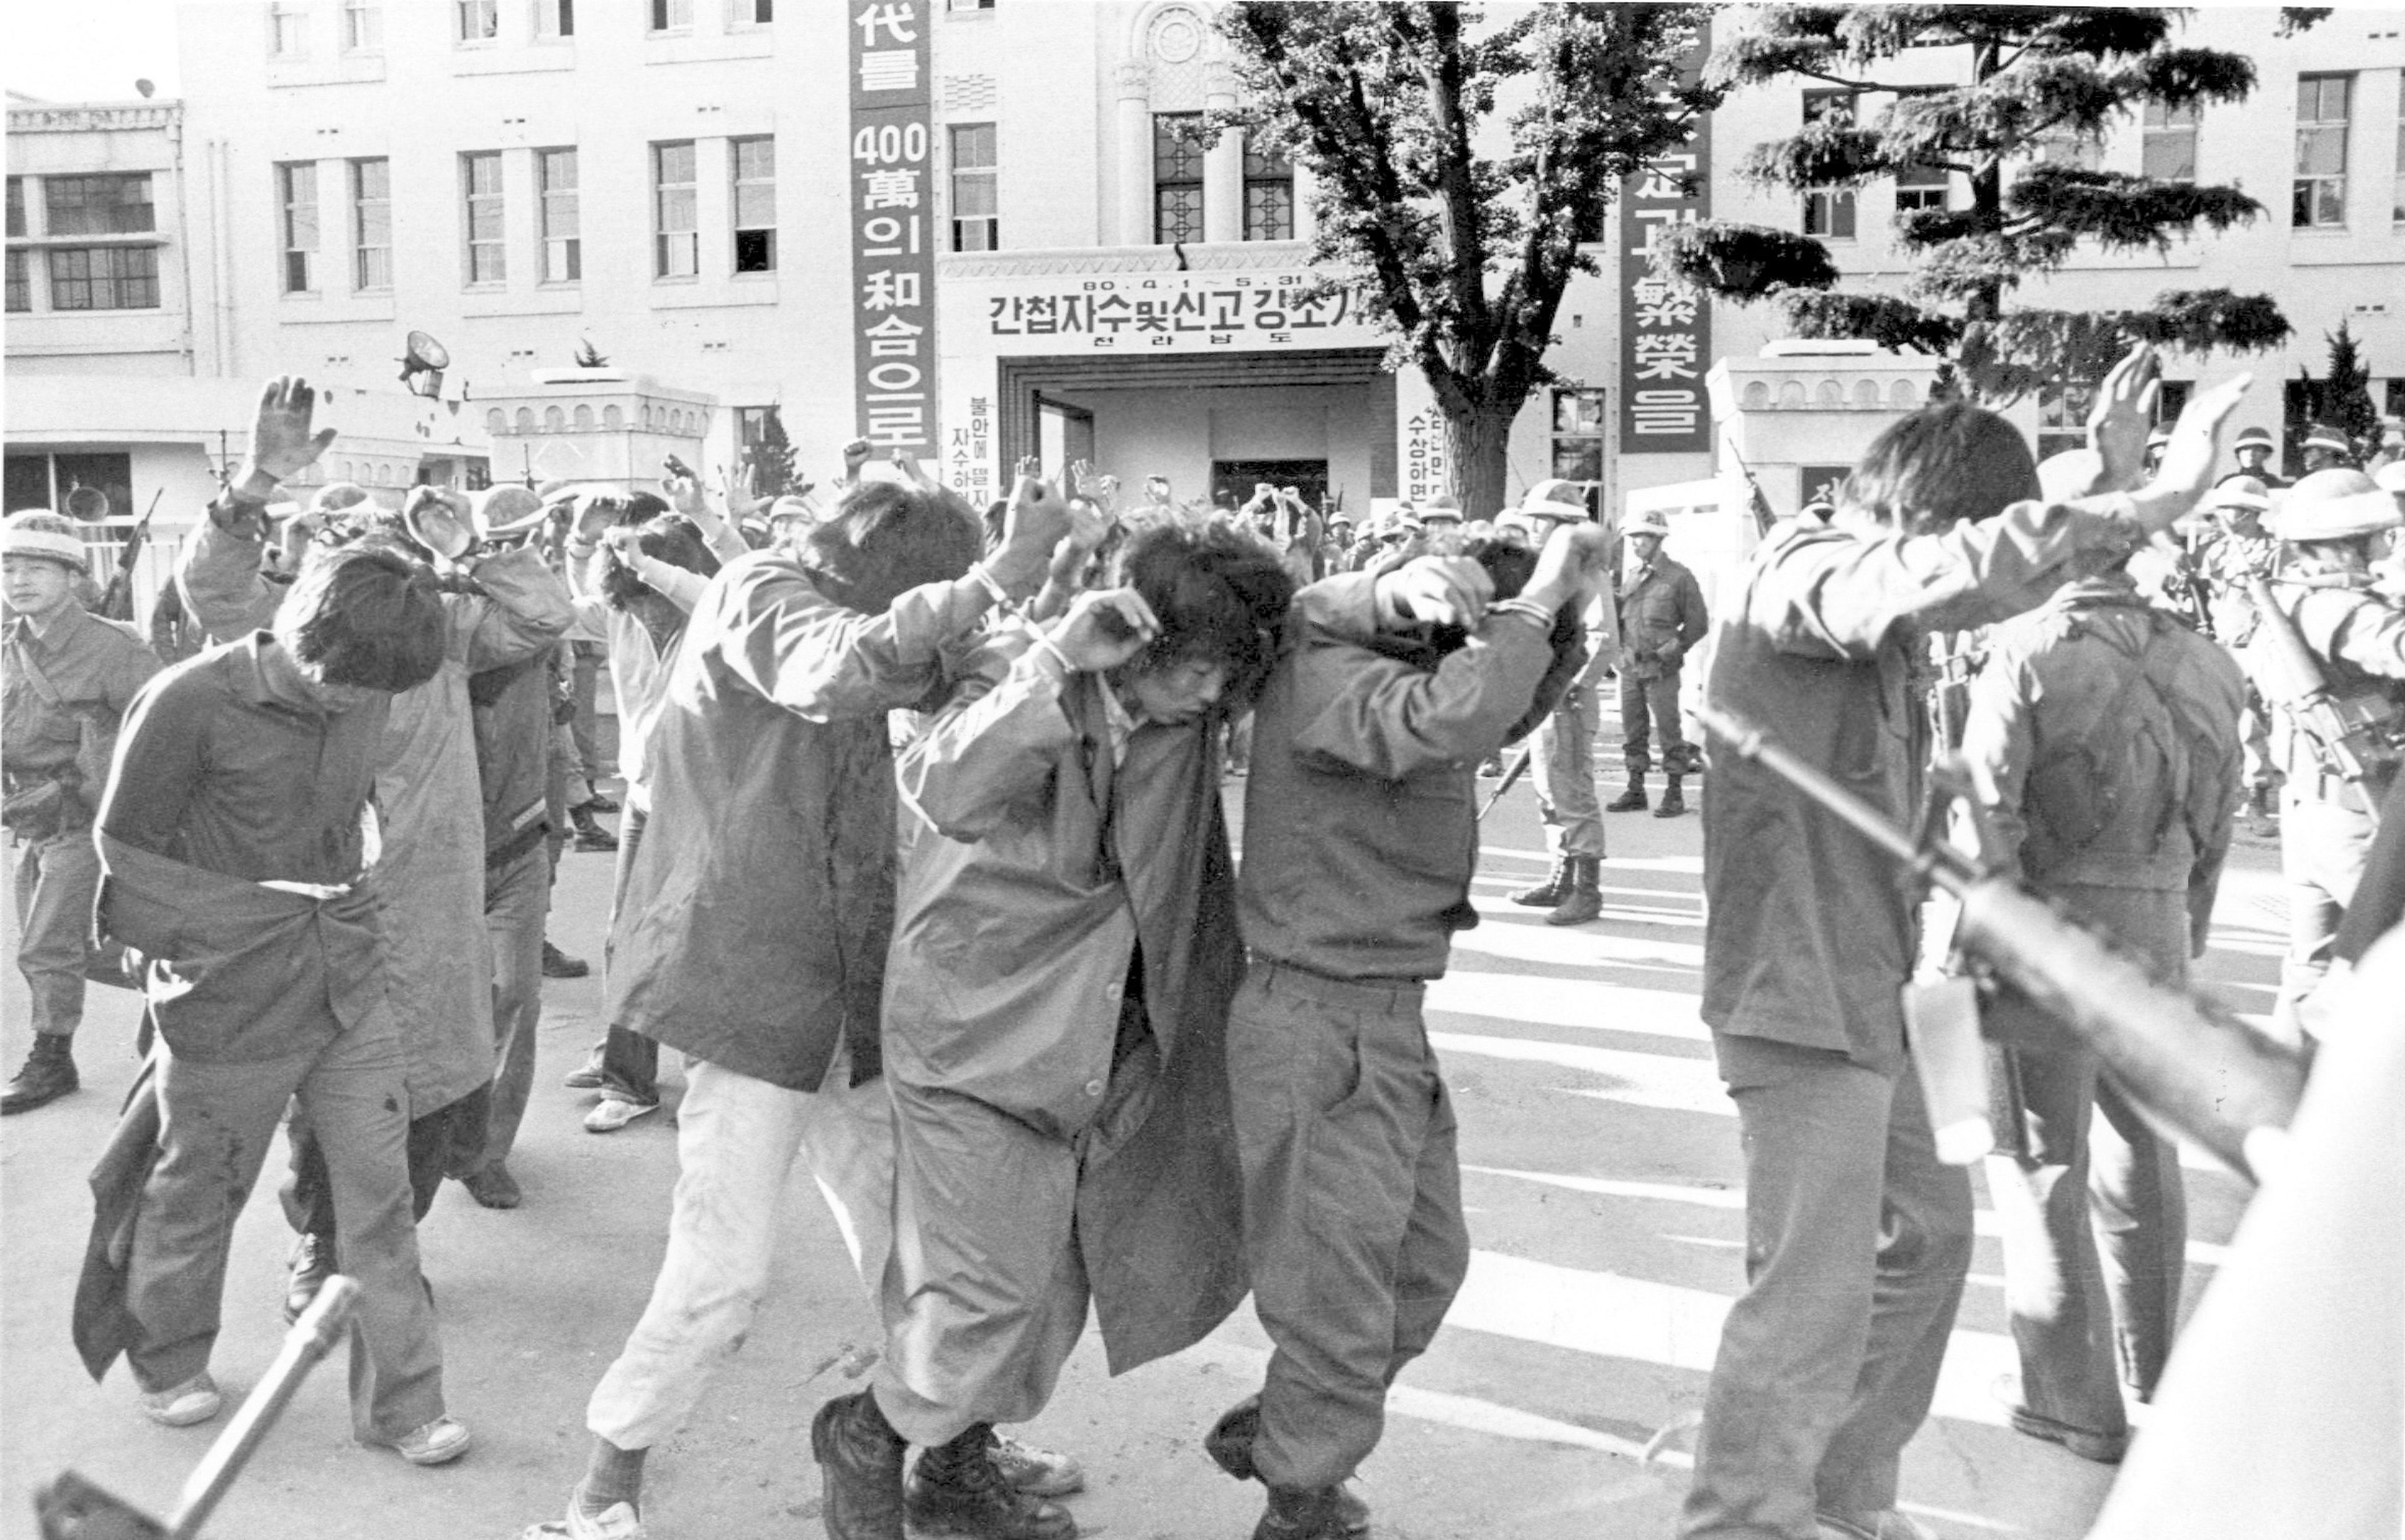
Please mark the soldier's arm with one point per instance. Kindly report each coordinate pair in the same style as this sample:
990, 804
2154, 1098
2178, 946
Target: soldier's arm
1999, 738
2372, 637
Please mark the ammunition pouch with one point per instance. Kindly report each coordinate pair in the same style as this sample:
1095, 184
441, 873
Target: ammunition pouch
34, 808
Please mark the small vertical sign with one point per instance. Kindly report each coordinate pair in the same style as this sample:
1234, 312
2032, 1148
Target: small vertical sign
893, 244
1666, 331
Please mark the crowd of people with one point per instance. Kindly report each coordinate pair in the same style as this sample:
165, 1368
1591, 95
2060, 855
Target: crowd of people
923, 865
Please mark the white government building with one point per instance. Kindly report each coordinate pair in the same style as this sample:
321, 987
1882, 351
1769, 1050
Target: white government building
684, 184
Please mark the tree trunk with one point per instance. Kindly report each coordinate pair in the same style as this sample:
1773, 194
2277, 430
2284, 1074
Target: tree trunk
1480, 436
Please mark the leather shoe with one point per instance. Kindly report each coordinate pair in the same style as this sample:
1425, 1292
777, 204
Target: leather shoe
860, 1467
493, 1187
312, 1263
49, 1073
1313, 1513
558, 964
958, 1489
1230, 1445
1038, 1473
2106, 1449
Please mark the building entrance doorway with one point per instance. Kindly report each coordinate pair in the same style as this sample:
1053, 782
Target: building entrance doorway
1232, 480
1065, 435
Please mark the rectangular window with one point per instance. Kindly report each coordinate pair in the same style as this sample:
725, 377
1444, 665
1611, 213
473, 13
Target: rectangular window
1829, 211
752, 426
555, 18
676, 241
20, 281
480, 177
16, 205
2062, 418
968, 5
2170, 147
103, 278
1176, 177
480, 21
755, 13
977, 218
2320, 189
1578, 440
755, 205
287, 30
563, 249
295, 191
372, 224
362, 26
99, 205
1919, 187
671, 15
2396, 199
1269, 193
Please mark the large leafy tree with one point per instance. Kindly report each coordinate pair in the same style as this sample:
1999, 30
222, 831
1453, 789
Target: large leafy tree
1455, 220
2042, 84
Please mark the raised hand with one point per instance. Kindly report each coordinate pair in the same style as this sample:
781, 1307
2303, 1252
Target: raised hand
2123, 417
738, 489
281, 441
1090, 525
1034, 526
683, 489
1437, 590
1104, 629
1575, 558
2189, 460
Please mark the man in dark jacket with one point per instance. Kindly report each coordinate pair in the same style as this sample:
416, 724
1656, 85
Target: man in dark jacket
1360, 842
754, 930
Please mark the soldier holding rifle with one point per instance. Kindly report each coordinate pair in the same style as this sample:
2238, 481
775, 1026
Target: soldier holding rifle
1858, 1237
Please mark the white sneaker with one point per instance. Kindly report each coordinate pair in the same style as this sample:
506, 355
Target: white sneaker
618, 1521
438, 1442
611, 1115
196, 1400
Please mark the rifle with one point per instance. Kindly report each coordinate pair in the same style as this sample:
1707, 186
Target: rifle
2194, 1066
117, 602
2346, 735
1512, 774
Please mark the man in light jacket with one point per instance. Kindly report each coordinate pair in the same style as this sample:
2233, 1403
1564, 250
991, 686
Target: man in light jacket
1056, 1004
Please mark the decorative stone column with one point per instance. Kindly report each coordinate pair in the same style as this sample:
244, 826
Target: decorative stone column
1134, 82
1223, 163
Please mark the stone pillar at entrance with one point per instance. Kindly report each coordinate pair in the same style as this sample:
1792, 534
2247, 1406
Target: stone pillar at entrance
1804, 411
1135, 154
1223, 165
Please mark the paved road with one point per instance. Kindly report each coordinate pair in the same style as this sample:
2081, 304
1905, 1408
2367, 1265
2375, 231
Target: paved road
1602, 1184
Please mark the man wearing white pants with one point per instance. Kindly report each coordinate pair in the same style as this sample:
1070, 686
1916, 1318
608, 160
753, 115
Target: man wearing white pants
756, 915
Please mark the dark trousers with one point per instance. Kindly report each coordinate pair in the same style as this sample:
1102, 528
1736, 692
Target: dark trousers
630, 1063
1858, 1241
1353, 1226
1652, 702
517, 900
584, 686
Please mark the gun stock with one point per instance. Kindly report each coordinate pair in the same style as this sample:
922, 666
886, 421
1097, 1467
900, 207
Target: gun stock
2190, 1062
2289, 676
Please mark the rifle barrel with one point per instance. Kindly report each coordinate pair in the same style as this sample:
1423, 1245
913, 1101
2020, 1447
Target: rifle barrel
1749, 743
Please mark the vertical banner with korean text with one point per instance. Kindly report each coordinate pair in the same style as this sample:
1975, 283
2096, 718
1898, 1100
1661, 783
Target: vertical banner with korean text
1665, 331
893, 240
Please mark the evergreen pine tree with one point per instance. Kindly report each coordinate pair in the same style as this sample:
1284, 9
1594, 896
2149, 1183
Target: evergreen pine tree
2044, 87
771, 459
2345, 395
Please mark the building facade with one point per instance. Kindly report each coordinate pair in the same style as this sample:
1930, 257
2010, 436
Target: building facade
683, 189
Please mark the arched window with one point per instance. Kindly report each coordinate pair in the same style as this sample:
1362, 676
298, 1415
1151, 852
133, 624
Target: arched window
554, 420
583, 419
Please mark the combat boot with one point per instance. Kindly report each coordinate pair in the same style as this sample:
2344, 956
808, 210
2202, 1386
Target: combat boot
1673, 802
2262, 818
1548, 893
49, 1073
1582, 897
1633, 799
860, 1469
958, 1489
1230, 1445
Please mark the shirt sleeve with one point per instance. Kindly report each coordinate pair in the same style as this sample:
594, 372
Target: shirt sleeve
998, 740
1999, 735
1831, 593
223, 590
160, 757
524, 608
2372, 637
2216, 768
1388, 719
1693, 620
765, 621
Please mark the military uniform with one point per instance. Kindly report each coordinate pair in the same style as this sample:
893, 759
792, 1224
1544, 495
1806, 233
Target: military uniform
1662, 617
2105, 739
65, 691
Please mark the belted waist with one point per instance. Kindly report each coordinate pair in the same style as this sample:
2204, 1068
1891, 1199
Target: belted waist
1389, 996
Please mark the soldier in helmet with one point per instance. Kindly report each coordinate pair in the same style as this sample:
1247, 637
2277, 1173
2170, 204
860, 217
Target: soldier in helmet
2244, 549
2254, 449
1561, 750
67, 677
1661, 620
2332, 520
2326, 448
